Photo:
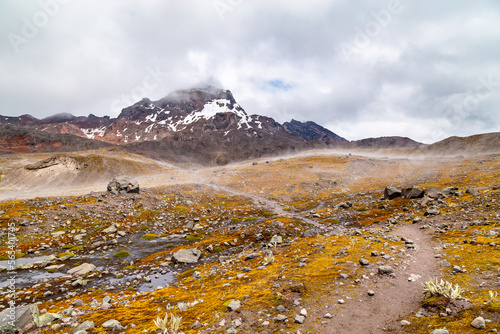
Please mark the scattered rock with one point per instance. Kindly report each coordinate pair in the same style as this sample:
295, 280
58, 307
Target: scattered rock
300, 319
25, 318
391, 193
234, 305
412, 193
77, 302
472, 191
364, 262
385, 270
83, 327
328, 316
82, 269
439, 331
47, 318
123, 186
191, 255
280, 317
444, 263
113, 324
434, 193
432, 212
251, 256
310, 233
111, 229
405, 323
371, 293
478, 323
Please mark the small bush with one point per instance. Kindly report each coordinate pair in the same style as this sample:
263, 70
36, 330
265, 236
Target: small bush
60, 255
122, 253
433, 288
194, 237
150, 236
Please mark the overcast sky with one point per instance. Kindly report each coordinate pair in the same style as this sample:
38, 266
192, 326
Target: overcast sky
423, 69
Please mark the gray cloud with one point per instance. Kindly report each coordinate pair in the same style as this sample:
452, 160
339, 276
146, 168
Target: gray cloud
422, 69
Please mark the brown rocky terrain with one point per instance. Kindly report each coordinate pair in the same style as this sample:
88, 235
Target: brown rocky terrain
309, 243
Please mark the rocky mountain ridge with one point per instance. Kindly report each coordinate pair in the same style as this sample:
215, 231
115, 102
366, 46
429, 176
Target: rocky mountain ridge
203, 125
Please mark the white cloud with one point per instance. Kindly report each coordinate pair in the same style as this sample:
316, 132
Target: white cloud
281, 59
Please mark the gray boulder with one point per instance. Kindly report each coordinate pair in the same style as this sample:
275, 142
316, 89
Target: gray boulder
472, 191
412, 193
310, 233
23, 319
434, 193
83, 327
123, 186
478, 323
234, 305
385, 270
187, 256
82, 269
391, 193
113, 324
47, 318
432, 212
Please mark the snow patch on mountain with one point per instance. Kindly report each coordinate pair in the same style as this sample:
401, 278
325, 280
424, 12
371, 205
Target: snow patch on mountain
91, 133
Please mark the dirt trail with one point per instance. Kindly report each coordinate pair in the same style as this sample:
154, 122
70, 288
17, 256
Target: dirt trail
394, 297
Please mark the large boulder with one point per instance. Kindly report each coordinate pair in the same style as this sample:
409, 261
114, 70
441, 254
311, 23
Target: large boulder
82, 269
434, 193
20, 320
123, 186
391, 193
412, 193
191, 255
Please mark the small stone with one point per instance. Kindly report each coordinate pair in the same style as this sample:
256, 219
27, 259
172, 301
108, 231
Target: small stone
300, 319
234, 305
456, 269
196, 324
341, 301
385, 270
83, 327
445, 263
280, 317
478, 323
113, 324
280, 308
344, 276
328, 316
303, 312
371, 293
77, 302
364, 262
439, 331
405, 323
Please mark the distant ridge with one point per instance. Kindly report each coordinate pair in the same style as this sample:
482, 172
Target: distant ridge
481, 143
202, 125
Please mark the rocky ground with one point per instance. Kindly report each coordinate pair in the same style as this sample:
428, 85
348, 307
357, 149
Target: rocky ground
309, 244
